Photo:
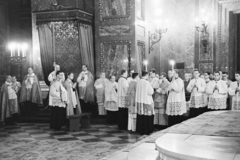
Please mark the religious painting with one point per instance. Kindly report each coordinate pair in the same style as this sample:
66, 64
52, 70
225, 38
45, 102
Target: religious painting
115, 30
115, 57
114, 9
206, 53
141, 56
206, 67
67, 52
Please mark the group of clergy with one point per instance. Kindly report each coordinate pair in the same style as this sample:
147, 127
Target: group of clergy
135, 103
13, 93
164, 100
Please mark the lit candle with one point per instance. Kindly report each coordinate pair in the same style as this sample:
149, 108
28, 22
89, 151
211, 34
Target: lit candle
172, 63
145, 62
18, 50
11, 52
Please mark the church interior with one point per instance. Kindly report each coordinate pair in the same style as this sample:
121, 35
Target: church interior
105, 37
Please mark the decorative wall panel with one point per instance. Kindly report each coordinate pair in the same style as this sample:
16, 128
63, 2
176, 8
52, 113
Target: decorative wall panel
115, 30
140, 9
114, 9
3, 38
141, 55
115, 56
206, 67
67, 46
50, 5
140, 31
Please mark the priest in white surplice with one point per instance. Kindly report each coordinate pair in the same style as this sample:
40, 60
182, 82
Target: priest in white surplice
217, 90
122, 101
154, 81
234, 91
176, 102
144, 104
197, 87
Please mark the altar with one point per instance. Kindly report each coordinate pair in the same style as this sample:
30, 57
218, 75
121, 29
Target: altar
210, 136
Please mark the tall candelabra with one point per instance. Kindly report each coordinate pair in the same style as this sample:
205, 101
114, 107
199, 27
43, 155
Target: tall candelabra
18, 55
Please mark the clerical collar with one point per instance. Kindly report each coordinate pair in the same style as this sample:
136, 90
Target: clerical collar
123, 77
144, 78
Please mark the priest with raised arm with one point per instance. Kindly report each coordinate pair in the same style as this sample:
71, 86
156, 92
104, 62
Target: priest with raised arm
122, 101
217, 91
144, 104
197, 87
52, 76
31, 94
58, 99
176, 102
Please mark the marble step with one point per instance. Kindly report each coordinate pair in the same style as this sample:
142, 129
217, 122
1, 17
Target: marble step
145, 151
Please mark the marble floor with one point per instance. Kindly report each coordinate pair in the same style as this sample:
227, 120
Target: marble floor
36, 141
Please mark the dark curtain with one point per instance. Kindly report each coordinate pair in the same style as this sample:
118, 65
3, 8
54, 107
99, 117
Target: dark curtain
46, 50
86, 46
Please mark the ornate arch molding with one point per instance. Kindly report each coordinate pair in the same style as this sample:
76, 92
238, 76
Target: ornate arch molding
224, 7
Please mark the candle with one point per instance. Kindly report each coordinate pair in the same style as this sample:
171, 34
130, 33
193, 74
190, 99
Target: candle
11, 52
145, 62
18, 50
172, 62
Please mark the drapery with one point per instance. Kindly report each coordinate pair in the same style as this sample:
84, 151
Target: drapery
46, 50
86, 45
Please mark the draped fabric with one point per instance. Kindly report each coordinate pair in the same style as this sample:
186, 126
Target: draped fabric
46, 50
86, 45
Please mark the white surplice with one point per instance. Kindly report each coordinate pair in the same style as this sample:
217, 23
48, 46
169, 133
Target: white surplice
217, 97
235, 95
176, 102
58, 95
122, 92
155, 83
197, 87
144, 99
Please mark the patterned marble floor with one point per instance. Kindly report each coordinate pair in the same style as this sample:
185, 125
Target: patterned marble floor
97, 133
37, 141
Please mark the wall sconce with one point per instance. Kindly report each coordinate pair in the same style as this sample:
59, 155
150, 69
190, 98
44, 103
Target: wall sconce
204, 37
155, 38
